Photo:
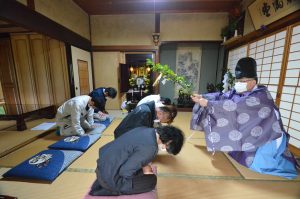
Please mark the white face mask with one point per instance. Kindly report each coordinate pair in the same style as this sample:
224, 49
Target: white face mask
162, 147
240, 87
156, 123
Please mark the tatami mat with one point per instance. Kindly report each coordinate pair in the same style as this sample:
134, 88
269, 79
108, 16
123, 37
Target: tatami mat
89, 158
29, 150
112, 127
31, 124
4, 124
182, 121
194, 188
69, 185
195, 160
117, 113
194, 173
12, 140
42, 143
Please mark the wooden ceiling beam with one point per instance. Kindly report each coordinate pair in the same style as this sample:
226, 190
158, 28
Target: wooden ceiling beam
95, 7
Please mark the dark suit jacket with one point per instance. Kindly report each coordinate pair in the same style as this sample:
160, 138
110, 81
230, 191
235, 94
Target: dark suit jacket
142, 115
99, 93
121, 160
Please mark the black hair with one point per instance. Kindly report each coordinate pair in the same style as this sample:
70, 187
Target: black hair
165, 101
99, 102
172, 135
111, 92
171, 110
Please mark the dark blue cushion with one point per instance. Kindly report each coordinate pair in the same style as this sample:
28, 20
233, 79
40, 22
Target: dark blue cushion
46, 165
80, 143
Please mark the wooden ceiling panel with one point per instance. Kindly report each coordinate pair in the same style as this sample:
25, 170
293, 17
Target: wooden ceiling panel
105, 7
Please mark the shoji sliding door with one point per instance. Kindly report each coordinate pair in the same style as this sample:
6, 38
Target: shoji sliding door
290, 98
268, 53
234, 56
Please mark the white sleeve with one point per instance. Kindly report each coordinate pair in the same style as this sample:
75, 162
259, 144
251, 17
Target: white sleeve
90, 116
75, 116
149, 98
159, 104
142, 101
156, 98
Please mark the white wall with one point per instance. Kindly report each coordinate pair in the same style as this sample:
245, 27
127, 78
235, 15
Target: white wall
83, 55
138, 29
106, 69
192, 26
67, 13
122, 29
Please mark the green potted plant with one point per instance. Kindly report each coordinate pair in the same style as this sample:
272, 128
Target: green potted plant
228, 31
168, 74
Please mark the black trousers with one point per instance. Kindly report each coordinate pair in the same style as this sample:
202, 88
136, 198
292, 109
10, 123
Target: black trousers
144, 183
140, 184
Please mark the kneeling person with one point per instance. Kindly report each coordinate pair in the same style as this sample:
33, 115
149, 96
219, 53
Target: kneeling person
123, 164
75, 116
145, 115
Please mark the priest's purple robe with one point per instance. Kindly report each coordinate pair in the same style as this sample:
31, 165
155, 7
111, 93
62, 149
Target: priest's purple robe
239, 123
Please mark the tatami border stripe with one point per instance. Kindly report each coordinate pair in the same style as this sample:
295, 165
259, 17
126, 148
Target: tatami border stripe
188, 176
107, 135
206, 177
80, 170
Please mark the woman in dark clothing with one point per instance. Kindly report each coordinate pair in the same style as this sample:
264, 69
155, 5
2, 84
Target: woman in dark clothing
144, 115
123, 164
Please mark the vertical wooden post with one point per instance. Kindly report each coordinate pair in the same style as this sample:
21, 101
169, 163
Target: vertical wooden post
157, 22
31, 4
284, 63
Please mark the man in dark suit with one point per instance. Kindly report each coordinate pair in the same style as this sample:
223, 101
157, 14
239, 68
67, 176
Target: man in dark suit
123, 165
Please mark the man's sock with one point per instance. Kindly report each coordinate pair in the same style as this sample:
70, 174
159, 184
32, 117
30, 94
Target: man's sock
57, 132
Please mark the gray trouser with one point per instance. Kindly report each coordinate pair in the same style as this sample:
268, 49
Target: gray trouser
65, 125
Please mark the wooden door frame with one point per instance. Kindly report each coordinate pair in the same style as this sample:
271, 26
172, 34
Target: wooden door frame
87, 63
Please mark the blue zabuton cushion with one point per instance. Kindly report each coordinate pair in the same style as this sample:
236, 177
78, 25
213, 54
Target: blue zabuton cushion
80, 143
46, 165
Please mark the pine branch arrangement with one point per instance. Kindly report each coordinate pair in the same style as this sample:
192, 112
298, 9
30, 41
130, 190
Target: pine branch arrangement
169, 75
